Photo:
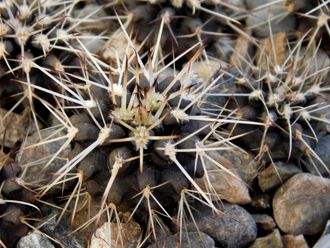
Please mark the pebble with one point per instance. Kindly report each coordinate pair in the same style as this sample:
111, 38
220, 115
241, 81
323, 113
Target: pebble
261, 201
14, 126
35, 158
226, 186
224, 48
130, 233
242, 48
270, 44
60, 231
236, 3
233, 228
276, 174
34, 240
243, 162
205, 70
324, 241
98, 24
189, 240
252, 4
93, 45
291, 241
301, 205
264, 222
116, 46
320, 65
258, 21
272, 240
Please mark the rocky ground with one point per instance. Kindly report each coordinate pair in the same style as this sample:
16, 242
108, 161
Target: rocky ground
165, 123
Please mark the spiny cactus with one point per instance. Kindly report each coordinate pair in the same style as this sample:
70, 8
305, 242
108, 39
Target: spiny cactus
38, 40
144, 115
284, 92
143, 139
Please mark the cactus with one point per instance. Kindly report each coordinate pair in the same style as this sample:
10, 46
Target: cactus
135, 110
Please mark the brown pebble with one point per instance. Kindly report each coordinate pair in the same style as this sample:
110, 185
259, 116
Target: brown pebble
264, 222
272, 240
301, 205
291, 241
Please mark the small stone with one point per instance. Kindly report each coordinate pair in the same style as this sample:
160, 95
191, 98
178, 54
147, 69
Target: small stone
320, 65
276, 174
261, 201
243, 162
277, 14
233, 228
92, 44
301, 205
226, 186
237, 3
108, 235
34, 240
242, 47
252, 4
189, 240
272, 240
96, 25
35, 158
264, 222
60, 231
82, 216
291, 241
14, 127
273, 49
205, 70
224, 48
324, 241
116, 47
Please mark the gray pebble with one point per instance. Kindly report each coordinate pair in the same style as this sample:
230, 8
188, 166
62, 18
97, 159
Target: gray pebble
233, 228
34, 240
35, 158
324, 241
280, 19
60, 231
261, 201
111, 234
189, 240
